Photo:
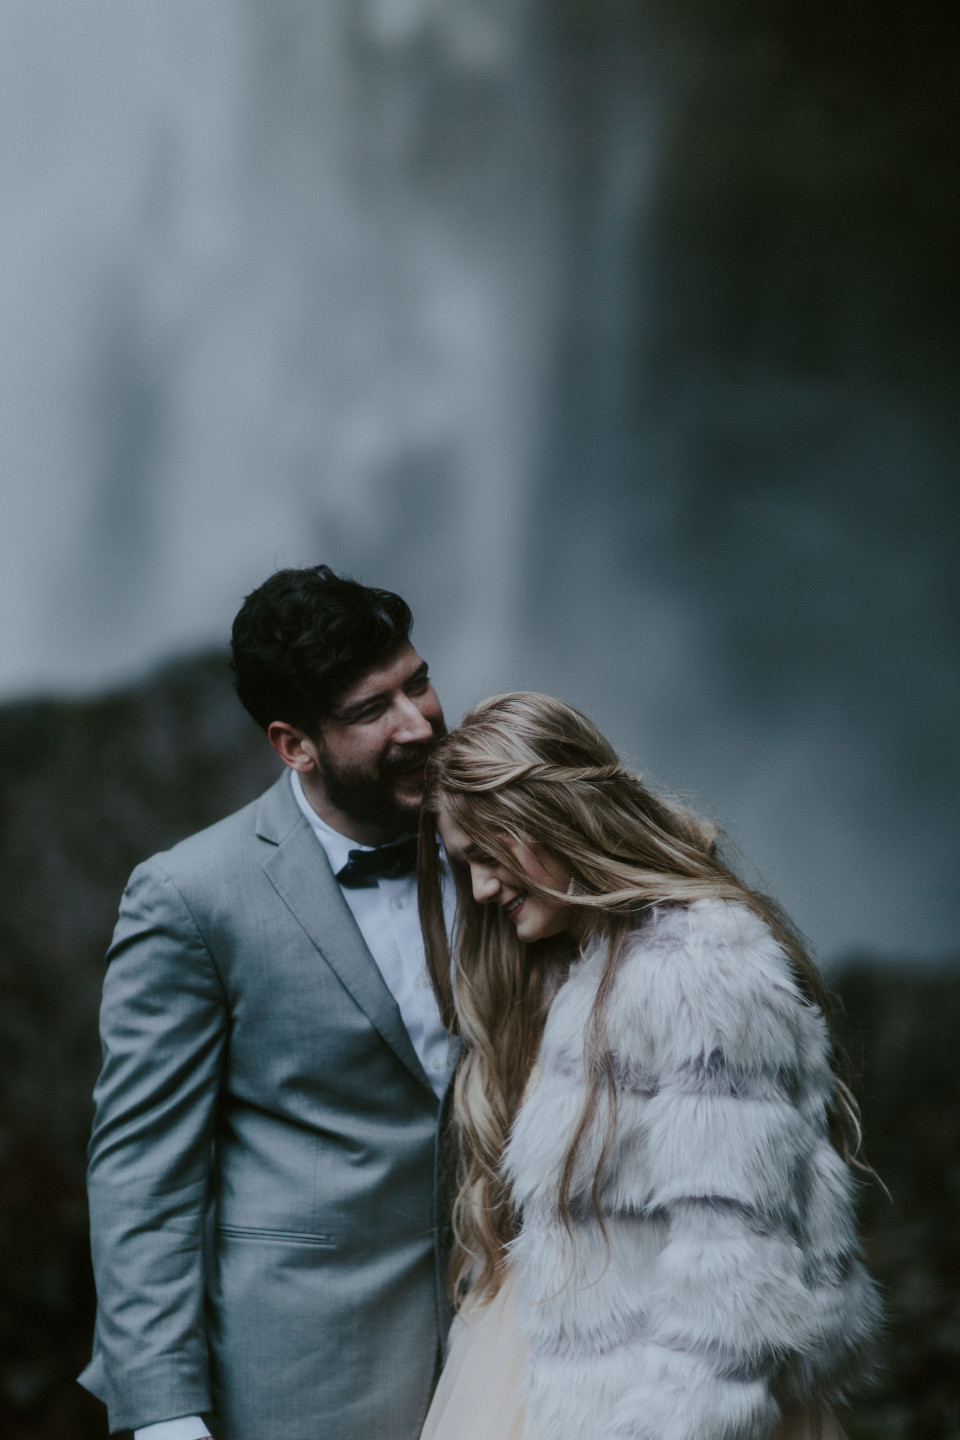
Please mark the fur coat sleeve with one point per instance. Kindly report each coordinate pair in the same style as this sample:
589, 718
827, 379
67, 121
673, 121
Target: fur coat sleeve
728, 1281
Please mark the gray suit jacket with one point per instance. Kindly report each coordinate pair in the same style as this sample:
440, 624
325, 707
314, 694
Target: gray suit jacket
261, 1178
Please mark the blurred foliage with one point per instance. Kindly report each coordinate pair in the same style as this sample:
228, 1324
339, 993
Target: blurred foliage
87, 790
807, 204
810, 213
900, 1027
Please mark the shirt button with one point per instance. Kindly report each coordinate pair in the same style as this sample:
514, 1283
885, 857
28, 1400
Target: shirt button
435, 1064
397, 903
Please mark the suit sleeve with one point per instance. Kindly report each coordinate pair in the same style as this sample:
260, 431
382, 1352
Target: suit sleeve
163, 1025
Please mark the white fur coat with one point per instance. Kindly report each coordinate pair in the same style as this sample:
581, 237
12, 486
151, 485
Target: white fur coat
729, 1282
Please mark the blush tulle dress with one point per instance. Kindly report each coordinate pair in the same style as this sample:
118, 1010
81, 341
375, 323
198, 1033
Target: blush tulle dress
480, 1395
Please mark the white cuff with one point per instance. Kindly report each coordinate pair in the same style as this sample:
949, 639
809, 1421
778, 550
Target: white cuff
188, 1427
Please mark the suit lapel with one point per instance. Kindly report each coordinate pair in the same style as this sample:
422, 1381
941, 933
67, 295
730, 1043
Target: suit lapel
297, 867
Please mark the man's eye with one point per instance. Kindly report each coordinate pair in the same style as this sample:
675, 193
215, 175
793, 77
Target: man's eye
418, 685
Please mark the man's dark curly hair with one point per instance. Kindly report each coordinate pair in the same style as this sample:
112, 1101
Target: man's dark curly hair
303, 636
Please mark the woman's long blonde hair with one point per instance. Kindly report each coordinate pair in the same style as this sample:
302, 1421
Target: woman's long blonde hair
528, 768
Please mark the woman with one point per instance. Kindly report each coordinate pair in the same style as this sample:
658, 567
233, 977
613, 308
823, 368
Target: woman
654, 1220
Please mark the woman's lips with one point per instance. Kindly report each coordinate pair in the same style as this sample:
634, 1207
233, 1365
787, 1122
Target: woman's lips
513, 906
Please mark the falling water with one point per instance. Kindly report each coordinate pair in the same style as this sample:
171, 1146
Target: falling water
431, 290
277, 284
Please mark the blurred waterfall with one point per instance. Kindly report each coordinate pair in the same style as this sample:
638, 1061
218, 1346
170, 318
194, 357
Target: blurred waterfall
615, 335
277, 283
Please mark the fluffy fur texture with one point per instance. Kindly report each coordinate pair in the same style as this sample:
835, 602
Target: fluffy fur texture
729, 1281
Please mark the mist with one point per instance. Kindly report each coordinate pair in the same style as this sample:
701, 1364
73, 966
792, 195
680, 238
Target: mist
615, 337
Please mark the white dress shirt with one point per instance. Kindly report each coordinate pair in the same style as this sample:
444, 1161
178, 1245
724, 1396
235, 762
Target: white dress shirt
387, 917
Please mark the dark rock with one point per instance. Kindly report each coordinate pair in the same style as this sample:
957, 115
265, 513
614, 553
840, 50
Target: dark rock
900, 1026
87, 790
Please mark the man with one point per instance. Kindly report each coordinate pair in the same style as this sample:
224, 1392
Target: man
262, 1188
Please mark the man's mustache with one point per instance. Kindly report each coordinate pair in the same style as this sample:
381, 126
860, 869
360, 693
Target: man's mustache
411, 757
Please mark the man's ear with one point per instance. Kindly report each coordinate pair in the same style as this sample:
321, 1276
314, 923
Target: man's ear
294, 747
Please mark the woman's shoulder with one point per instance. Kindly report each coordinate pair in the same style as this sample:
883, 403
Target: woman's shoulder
708, 941
732, 921
706, 974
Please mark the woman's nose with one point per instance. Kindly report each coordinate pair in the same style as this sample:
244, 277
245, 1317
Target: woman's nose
485, 884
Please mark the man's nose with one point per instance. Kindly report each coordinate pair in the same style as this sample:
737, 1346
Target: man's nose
413, 727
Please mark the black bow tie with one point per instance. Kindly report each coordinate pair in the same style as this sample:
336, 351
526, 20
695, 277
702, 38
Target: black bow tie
364, 868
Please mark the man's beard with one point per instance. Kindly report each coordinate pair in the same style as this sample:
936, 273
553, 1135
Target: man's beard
368, 798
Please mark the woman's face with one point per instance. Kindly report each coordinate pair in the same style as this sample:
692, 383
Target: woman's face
494, 883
